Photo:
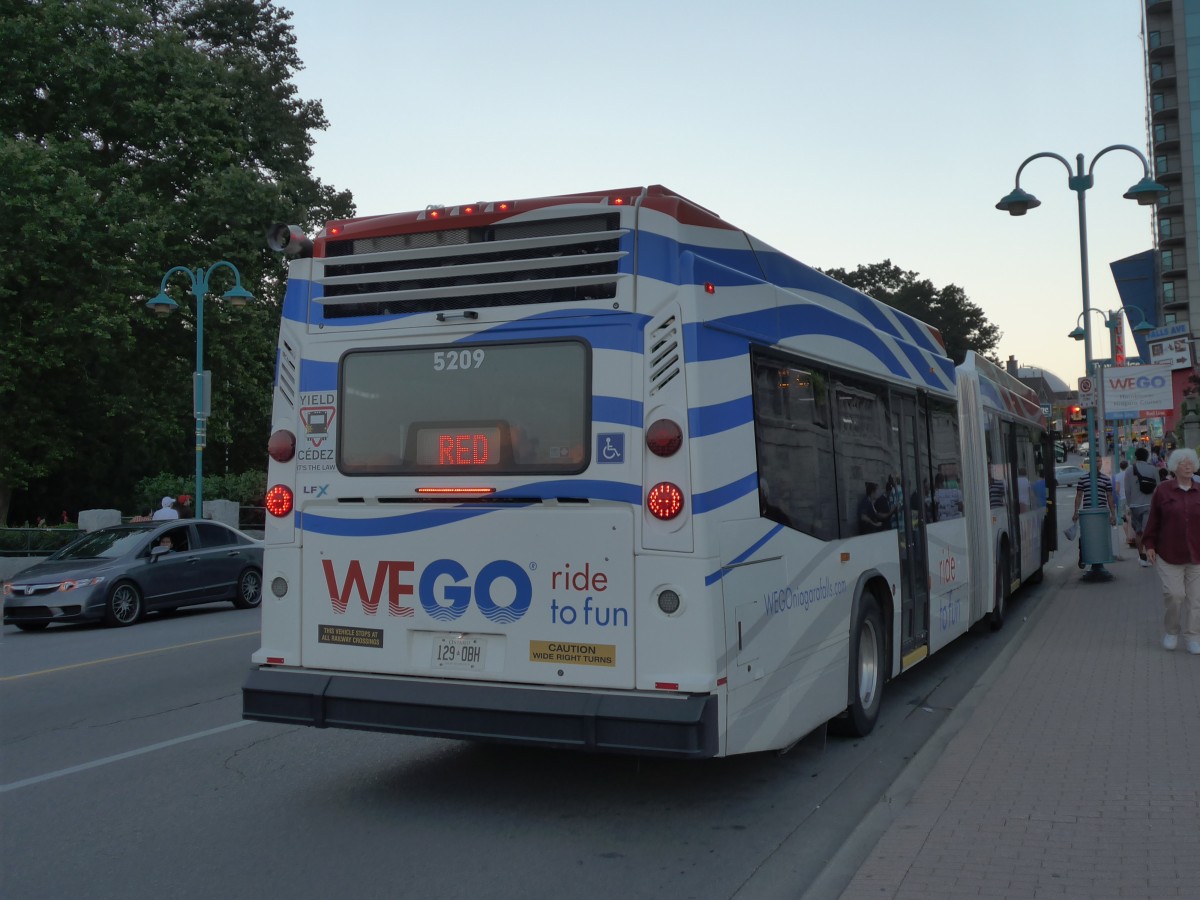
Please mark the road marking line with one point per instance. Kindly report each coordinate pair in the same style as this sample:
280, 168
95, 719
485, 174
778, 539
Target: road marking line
83, 767
96, 662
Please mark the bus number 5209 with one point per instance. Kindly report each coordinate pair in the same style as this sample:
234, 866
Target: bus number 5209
457, 360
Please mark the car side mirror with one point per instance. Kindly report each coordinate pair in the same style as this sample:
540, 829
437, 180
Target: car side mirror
156, 552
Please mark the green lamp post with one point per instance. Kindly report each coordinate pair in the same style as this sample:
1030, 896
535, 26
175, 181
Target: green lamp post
162, 306
1094, 545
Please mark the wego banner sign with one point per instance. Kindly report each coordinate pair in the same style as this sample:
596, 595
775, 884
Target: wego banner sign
1137, 392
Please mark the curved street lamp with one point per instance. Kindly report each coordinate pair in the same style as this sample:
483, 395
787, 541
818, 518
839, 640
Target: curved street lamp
162, 306
1146, 192
1112, 321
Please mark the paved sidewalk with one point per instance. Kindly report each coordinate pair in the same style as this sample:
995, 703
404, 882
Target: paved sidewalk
1077, 772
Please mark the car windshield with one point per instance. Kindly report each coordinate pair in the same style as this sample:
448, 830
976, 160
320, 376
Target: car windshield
108, 543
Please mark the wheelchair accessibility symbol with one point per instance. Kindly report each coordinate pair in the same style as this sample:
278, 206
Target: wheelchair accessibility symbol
610, 448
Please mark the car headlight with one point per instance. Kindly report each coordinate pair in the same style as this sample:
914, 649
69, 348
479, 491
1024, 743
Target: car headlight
72, 584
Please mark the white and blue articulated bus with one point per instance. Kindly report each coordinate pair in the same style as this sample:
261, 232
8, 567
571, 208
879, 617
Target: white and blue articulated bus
603, 471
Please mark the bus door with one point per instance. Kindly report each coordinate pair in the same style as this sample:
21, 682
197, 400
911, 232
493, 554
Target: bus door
1018, 493
909, 424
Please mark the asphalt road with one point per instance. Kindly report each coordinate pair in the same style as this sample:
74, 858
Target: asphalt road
126, 771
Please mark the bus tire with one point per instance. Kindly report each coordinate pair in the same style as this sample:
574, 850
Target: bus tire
866, 667
996, 616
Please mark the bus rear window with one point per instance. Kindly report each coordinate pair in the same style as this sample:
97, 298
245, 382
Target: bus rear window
466, 409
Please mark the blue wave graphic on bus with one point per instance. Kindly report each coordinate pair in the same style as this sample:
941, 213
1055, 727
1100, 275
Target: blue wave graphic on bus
424, 520
317, 376
725, 494
718, 417
604, 330
614, 491
659, 257
617, 410
713, 577
710, 341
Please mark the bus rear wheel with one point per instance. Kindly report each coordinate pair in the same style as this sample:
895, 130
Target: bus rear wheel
996, 616
866, 667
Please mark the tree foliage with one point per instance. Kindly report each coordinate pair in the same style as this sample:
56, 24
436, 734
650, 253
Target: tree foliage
962, 324
137, 135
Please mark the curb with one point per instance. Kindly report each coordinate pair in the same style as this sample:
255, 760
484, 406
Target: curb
837, 874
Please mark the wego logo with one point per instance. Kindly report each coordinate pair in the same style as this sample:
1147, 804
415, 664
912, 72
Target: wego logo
386, 573
502, 591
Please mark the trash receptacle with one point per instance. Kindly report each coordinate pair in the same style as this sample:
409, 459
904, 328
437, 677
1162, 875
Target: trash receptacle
1095, 536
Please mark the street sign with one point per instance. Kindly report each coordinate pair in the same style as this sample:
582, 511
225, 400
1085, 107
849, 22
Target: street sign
1174, 330
1087, 392
202, 394
1137, 392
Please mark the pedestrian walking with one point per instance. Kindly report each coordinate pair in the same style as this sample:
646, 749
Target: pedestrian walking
1172, 543
1118, 483
1141, 479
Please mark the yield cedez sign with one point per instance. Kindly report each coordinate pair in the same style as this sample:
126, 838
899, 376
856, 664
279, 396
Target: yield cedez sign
1137, 392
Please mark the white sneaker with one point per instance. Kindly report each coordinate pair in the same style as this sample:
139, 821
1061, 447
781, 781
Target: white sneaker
1193, 647
1144, 563
1170, 641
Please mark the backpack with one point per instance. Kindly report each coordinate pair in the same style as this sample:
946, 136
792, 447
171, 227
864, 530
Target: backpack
1147, 483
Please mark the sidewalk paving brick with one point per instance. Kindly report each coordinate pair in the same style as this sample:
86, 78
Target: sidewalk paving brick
1077, 774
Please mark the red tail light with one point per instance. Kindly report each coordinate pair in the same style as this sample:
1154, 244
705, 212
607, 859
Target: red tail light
282, 446
665, 501
279, 501
664, 438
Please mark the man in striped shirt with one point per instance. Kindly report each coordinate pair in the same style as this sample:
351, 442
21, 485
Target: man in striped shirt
1083, 496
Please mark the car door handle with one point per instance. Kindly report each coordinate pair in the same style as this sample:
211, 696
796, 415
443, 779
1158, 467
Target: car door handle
234, 553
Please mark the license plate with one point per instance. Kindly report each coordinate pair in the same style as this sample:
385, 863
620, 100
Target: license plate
459, 651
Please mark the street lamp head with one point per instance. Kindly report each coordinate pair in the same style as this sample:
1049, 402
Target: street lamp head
238, 295
1143, 327
162, 305
1018, 202
1078, 334
1146, 192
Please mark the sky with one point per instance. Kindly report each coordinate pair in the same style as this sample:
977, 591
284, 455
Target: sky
841, 132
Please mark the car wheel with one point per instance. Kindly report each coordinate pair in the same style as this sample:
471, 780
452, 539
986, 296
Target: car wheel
32, 626
249, 589
124, 605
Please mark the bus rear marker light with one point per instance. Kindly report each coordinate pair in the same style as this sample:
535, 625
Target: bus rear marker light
664, 438
665, 501
282, 446
279, 501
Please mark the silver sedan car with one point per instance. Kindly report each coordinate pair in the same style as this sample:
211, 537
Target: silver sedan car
1069, 476
118, 574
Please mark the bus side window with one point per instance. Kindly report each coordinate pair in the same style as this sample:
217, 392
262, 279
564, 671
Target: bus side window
795, 447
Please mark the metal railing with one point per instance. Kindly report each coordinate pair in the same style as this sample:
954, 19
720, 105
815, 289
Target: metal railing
35, 541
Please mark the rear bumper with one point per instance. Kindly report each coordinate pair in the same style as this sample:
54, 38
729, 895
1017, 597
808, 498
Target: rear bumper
673, 725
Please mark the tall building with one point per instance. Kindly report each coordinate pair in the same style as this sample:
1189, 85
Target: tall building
1163, 284
1172, 41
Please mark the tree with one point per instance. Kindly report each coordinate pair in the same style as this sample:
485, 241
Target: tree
962, 324
143, 134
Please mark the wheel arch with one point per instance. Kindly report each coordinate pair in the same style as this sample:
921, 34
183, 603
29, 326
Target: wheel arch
1003, 548
877, 585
